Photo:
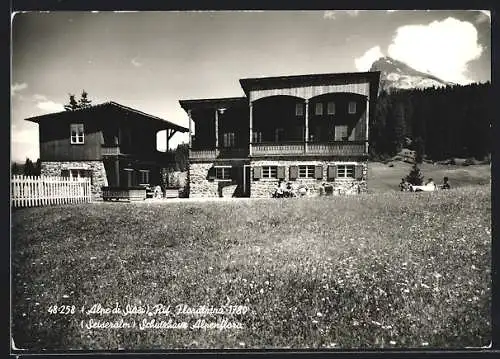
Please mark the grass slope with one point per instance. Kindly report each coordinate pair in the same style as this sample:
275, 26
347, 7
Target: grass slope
385, 270
382, 178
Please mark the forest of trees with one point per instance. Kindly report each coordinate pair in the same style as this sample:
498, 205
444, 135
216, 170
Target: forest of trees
27, 169
437, 123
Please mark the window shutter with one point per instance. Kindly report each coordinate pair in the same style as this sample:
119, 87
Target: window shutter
294, 172
281, 172
257, 173
211, 174
358, 172
318, 172
332, 172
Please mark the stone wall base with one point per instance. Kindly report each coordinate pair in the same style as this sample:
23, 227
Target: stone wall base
201, 186
264, 187
99, 178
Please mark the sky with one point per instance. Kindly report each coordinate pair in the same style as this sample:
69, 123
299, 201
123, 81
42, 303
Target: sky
151, 60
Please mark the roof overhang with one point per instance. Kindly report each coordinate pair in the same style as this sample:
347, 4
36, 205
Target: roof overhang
161, 123
213, 103
262, 83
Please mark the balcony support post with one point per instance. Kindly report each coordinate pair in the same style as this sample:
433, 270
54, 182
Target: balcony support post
190, 127
250, 116
306, 119
117, 172
367, 123
216, 128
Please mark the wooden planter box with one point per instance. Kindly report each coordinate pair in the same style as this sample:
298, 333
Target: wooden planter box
172, 192
123, 193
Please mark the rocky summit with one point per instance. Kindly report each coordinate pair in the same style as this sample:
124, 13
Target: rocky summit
396, 75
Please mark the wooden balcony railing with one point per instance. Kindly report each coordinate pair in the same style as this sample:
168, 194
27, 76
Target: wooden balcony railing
336, 148
110, 150
206, 154
340, 148
278, 149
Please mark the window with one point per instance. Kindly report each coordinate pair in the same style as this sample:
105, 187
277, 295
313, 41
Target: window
341, 133
306, 171
144, 176
269, 171
229, 139
76, 173
223, 173
318, 110
352, 107
77, 133
299, 109
256, 137
345, 171
331, 108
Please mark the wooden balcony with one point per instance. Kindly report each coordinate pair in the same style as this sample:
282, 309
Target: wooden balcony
340, 148
337, 148
110, 150
278, 149
222, 152
205, 154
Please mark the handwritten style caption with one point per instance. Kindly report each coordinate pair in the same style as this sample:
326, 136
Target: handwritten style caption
157, 316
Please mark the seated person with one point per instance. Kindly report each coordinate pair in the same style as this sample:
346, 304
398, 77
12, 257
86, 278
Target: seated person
280, 189
446, 184
403, 186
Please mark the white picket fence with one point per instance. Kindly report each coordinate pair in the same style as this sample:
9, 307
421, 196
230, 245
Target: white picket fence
33, 191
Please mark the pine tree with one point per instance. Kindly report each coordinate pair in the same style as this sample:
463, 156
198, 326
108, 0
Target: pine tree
84, 102
15, 169
419, 148
72, 105
38, 167
29, 168
415, 177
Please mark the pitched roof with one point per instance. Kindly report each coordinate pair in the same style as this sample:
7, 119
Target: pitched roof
110, 104
213, 102
259, 83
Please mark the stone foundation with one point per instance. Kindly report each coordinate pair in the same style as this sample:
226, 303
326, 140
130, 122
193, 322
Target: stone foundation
99, 178
264, 187
199, 185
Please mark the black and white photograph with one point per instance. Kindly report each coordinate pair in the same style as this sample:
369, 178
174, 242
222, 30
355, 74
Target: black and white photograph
250, 179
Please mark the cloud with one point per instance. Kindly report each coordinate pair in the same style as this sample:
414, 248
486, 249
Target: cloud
487, 13
50, 106
483, 16
17, 87
442, 48
38, 97
332, 14
136, 63
365, 61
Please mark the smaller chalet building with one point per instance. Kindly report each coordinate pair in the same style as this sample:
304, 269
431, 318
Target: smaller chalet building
310, 130
112, 144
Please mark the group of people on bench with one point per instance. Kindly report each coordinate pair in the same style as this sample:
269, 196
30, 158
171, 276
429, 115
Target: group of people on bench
286, 190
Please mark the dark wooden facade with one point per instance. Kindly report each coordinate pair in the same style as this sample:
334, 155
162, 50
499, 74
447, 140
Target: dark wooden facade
122, 137
286, 116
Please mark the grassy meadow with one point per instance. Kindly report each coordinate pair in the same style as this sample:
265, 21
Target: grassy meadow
383, 270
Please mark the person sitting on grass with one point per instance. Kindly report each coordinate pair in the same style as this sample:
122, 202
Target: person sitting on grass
446, 184
404, 185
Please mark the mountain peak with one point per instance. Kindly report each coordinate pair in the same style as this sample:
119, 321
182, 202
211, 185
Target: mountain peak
395, 74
